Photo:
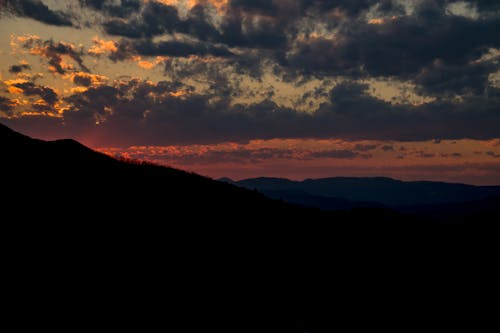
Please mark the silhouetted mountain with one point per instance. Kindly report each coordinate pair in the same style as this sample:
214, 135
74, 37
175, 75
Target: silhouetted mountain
362, 192
484, 210
116, 235
64, 175
302, 198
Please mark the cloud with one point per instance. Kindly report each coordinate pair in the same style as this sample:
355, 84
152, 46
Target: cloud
398, 47
54, 52
179, 49
363, 147
423, 154
144, 113
14, 69
102, 46
6, 105
37, 10
340, 154
108, 7
48, 95
238, 28
87, 80
447, 59
155, 19
493, 154
486, 5
126, 49
228, 153
442, 79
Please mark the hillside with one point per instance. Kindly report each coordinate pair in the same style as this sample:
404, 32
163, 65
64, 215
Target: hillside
65, 175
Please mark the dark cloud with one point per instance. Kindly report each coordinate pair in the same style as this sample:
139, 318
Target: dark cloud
360, 115
352, 7
142, 113
423, 154
486, 5
36, 10
493, 154
54, 52
238, 28
362, 147
243, 31
179, 49
45, 93
198, 24
340, 154
442, 79
82, 80
155, 19
123, 10
398, 47
19, 68
298, 39
5, 105
431, 47
262, 7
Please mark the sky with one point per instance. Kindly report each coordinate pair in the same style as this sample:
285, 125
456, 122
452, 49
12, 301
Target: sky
282, 88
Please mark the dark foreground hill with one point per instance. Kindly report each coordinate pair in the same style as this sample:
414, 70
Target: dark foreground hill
90, 241
63, 179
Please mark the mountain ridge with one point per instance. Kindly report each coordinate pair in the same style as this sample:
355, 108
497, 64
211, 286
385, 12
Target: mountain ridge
382, 190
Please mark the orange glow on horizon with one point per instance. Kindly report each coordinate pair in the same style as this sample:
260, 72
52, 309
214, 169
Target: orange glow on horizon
303, 158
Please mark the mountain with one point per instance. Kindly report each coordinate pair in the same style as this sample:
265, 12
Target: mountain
127, 240
371, 192
67, 177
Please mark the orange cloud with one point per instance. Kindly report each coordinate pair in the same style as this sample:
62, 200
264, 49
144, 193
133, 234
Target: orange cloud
78, 90
146, 64
381, 20
57, 53
62, 65
220, 5
376, 21
11, 88
178, 93
14, 90
87, 79
102, 46
15, 41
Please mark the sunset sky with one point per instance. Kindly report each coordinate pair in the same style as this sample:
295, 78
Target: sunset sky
247, 88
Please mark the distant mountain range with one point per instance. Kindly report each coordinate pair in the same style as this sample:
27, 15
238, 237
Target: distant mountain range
343, 193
